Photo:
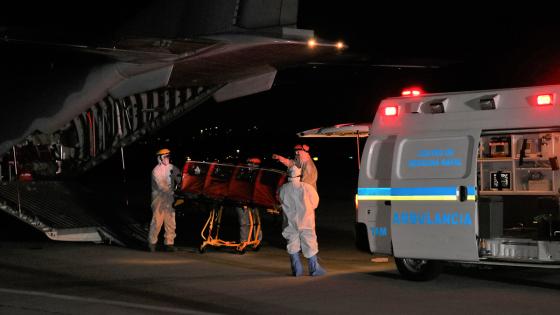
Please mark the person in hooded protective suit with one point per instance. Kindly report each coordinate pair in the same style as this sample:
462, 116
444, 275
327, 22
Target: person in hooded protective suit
165, 177
302, 160
299, 201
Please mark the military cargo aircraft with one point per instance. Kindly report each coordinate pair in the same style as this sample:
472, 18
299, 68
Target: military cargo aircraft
71, 102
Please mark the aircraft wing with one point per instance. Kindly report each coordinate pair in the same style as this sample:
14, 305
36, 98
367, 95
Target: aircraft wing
48, 84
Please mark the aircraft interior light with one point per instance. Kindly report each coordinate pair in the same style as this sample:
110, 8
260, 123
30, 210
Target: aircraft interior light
311, 43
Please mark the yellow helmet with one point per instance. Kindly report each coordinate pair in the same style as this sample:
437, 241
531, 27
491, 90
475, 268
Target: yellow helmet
163, 152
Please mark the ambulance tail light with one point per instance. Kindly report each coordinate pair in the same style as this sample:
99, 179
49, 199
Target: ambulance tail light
356, 202
545, 99
391, 111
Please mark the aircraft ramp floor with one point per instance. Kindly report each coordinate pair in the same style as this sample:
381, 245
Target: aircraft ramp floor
68, 211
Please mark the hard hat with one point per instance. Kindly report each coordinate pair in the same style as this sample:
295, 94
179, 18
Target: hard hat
254, 160
163, 152
303, 147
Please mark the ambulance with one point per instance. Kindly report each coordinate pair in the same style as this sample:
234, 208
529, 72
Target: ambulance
467, 177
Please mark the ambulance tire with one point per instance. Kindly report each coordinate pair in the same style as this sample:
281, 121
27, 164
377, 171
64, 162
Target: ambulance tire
361, 238
418, 269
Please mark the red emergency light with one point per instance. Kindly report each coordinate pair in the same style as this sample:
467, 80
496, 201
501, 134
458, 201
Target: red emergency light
544, 99
391, 110
413, 91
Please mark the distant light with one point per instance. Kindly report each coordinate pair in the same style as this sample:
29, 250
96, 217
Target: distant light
351, 157
311, 43
544, 99
315, 158
339, 45
391, 111
237, 150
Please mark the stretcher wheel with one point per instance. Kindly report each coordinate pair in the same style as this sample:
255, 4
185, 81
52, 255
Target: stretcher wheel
257, 248
241, 251
202, 249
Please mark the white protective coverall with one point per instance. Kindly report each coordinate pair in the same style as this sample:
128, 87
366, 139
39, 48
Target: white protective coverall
299, 201
163, 184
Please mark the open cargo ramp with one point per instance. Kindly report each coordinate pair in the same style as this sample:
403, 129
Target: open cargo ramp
66, 211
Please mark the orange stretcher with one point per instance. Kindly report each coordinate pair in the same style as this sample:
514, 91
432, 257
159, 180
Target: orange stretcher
237, 185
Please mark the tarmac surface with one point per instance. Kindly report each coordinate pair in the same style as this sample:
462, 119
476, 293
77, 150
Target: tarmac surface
39, 276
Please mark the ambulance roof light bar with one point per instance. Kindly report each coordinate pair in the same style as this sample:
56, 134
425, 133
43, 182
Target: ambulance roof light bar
412, 91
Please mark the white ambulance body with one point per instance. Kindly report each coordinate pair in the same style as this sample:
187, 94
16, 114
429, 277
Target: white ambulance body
467, 177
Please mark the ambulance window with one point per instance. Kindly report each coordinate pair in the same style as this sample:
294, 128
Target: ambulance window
442, 157
380, 158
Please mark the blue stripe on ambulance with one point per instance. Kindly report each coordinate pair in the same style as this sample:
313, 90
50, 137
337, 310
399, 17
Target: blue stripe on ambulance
442, 193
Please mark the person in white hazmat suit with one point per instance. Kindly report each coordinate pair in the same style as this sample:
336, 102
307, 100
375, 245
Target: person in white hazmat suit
302, 160
299, 201
165, 176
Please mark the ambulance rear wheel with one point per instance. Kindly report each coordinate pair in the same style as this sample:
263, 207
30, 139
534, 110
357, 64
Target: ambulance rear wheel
418, 269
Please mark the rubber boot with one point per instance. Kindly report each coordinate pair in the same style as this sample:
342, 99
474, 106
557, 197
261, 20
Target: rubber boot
297, 268
314, 268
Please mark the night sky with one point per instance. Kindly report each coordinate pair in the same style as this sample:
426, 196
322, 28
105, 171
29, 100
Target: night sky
460, 46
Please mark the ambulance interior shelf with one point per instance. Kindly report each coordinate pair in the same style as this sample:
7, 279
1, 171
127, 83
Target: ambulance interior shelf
519, 164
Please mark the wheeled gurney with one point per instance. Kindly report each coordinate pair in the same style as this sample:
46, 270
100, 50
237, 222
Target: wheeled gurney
237, 185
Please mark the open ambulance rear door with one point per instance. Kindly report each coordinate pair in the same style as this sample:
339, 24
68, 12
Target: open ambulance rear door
433, 195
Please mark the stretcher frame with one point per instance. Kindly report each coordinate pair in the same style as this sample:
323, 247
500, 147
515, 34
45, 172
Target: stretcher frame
211, 232
219, 183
